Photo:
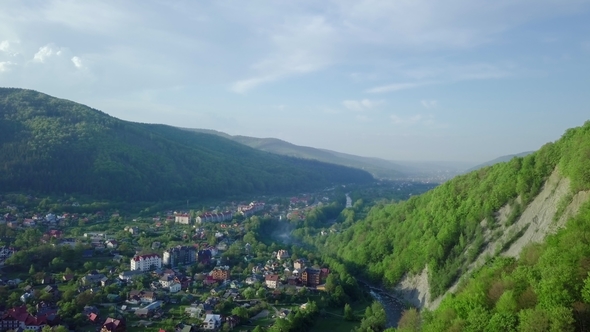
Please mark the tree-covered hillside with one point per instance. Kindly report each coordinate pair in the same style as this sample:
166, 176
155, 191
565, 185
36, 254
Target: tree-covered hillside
53, 145
442, 229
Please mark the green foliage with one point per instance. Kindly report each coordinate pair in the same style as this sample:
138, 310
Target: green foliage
373, 320
56, 146
442, 229
546, 289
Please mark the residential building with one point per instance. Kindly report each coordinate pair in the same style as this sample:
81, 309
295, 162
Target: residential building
93, 278
212, 322
282, 254
299, 264
182, 219
174, 287
128, 275
204, 256
310, 277
250, 209
112, 244
179, 255
166, 280
272, 281
142, 296
220, 273
19, 318
146, 262
214, 217
113, 325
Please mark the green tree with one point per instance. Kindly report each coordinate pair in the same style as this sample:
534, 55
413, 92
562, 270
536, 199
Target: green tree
348, 313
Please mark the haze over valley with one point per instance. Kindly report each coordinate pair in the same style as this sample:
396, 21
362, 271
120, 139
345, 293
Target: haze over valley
345, 166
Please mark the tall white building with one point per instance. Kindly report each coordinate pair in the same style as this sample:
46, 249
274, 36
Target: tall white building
146, 262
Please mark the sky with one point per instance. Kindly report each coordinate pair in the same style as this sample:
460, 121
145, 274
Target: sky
422, 80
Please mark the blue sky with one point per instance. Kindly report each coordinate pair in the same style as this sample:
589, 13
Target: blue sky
456, 80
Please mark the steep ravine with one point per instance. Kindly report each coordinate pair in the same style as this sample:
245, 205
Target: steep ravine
534, 223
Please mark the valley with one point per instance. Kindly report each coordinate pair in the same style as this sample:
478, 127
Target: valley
108, 222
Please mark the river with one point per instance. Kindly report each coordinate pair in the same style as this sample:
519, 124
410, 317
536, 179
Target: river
392, 305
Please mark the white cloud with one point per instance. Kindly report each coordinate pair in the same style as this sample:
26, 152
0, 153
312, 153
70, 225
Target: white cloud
299, 46
5, 66
8, 48
246, 85
77, 62
396, 87
446, 73
5, 46
412, 120
429, 103
362, 105
46, 52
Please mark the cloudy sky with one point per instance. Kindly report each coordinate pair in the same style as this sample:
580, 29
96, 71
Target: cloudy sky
455, 80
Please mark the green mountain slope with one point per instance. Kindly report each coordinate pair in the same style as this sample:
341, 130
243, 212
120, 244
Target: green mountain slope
57, 146
443, 229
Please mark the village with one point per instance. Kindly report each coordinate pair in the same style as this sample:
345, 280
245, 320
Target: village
182, 270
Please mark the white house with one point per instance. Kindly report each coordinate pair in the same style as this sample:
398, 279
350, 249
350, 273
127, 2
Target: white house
166, 281
146, 262
212, 322
271, 280
175, 287
182, 219
282, 254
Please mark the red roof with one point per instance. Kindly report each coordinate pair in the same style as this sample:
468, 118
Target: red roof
137, 258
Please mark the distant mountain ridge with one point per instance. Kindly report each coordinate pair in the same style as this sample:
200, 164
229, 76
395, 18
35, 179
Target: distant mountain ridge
379, 168
501, 159
52, 145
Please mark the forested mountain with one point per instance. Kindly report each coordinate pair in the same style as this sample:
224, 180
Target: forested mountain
379, 168
444, 230
52, 145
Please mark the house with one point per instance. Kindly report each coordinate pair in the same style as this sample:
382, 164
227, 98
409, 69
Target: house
146, 262
113, 325
128, 275
232, 321
212, 322
310, 277
299, 264
18, 318
92, 278
93, 317
204, 256
166, 280
148, 310
112, 244
214, 217
179, 255
271, 280
182, 219
193, 312
174, 287
142, 296
220, 273
26, 297
250, 209
282, 254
